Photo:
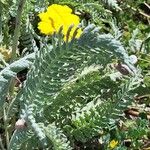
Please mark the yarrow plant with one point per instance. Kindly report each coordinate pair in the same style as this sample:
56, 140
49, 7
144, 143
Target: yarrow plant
67, 81
58, 16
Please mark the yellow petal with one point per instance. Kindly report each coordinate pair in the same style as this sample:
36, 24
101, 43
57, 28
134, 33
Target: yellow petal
44, 16
46, 28
113, 144
59, 9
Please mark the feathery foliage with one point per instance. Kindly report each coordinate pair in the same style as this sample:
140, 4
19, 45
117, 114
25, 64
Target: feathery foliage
11, 71
72, 92
56, 66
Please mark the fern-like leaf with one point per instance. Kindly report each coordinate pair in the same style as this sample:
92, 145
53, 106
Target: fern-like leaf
57, 65
99, 114
57, 137
112, 4
10, 72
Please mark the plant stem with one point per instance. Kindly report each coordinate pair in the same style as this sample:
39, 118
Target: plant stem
6, 126
17, 29
15, 40
139, 11
1, 144
1, 10
13, 57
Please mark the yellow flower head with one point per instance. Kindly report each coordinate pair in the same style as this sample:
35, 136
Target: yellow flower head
113, 144
58, 16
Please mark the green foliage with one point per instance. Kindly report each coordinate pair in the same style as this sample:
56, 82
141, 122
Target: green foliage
74, 92
111, 3
97, 115
56, 67
11, 71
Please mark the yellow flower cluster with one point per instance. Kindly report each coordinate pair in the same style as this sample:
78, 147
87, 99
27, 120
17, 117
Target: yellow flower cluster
5, 53
113, 144
58, 16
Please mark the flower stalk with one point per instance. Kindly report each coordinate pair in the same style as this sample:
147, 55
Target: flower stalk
17, 29
15, 40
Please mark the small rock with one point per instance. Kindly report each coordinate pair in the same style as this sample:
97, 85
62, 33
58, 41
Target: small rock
133, 59
20, 124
